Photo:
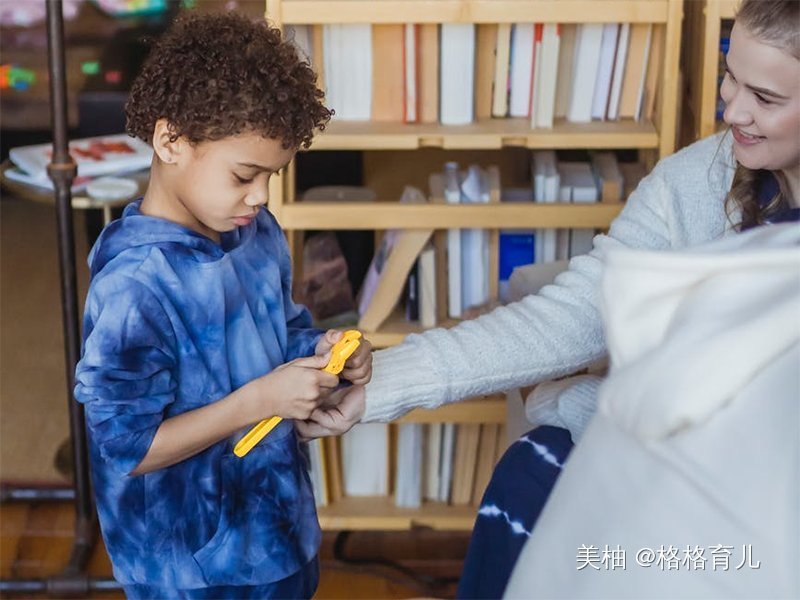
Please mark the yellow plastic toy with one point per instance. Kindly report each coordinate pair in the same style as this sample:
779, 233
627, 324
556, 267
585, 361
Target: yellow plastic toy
341, 351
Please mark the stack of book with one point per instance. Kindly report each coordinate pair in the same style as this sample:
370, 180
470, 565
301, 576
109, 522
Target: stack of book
456, 73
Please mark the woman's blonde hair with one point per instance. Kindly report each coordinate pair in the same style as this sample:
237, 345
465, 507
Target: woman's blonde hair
776, 23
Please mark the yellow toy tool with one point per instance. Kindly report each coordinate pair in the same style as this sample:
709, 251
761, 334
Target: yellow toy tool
341, 351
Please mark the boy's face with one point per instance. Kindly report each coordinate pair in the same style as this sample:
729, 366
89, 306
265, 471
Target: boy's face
220, 185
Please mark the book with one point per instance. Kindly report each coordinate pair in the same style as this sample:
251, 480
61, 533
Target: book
618, 75
546, 185
501, 71
319, 486
426, 279
487, 448
566, 56
428, 52
389, 270
486, 42
521, 70
588, 41
452, 195
457, 73
433, 454
546, 77
464, 461
348, 67
474, 243
654, 66
365, 460
579, 182
517, 246
607, 176
602, 84
388, 72
408, 480
446, 461
633, 82
94, 156
411, 70
536, 72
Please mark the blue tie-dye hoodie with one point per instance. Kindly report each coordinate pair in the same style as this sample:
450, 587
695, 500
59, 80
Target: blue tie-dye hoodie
175, 321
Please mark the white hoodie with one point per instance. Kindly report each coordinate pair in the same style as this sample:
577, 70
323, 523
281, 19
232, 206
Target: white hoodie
697, 438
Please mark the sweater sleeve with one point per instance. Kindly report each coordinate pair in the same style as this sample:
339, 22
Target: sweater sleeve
541, 337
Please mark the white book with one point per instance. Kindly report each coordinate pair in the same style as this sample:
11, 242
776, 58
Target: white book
452, 195
521, 69
348, 70
546, 187
620, 59
316, 460
546, 77
580, 242
643, 79
302, 37
426, 275
365, 460
579, 178
566, 59
456, 73
474, 243
433, 454
411, 76
94, 156
446, 461
602, 84
587, 58
408, 482
502, 59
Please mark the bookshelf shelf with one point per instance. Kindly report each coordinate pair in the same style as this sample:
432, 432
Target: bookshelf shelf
491, 409
380, 513
490, 135
470, 11
392, 215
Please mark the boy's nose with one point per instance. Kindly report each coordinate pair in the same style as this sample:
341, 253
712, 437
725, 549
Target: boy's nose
258, 195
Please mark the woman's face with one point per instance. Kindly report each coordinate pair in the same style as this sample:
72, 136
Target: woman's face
761, 90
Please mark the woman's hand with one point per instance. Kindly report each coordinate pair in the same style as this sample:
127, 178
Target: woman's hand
339, 412
358, 368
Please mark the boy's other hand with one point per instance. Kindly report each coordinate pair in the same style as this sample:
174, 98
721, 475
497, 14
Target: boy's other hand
358, 368
343, 409
296, 388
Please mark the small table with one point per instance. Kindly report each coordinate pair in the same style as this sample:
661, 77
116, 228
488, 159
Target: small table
81, 200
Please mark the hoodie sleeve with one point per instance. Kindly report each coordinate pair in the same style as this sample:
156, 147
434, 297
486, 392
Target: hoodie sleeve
126, 376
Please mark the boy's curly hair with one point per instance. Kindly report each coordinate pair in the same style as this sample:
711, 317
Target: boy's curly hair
214, 76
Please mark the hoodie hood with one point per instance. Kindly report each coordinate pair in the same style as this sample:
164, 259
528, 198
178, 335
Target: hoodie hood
137, 234
687, 330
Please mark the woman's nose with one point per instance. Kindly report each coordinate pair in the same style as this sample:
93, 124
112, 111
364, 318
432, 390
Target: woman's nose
737, 111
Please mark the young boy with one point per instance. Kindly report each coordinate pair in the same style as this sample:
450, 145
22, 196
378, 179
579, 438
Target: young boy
191, 335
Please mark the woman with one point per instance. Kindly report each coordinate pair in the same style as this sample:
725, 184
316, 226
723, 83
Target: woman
726, 183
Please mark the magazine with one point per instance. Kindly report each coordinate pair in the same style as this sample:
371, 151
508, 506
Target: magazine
94, 156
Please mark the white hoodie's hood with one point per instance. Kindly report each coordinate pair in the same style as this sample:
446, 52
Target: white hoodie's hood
673, 318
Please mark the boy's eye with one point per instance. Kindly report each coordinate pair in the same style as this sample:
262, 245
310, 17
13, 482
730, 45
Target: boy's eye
242, 180
762, 99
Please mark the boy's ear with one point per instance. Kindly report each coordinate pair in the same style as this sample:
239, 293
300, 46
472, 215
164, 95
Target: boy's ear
165, 148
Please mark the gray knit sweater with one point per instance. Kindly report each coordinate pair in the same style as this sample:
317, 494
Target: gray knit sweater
559, 330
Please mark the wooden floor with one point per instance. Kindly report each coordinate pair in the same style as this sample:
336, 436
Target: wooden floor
36, 541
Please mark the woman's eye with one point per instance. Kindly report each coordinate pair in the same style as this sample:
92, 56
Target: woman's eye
730, 75
242, 180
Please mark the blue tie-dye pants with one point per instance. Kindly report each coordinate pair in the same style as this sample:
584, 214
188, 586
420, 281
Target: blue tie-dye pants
514, 498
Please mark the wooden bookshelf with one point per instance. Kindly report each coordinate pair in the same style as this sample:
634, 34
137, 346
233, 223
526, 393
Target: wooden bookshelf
700, 62
654, 139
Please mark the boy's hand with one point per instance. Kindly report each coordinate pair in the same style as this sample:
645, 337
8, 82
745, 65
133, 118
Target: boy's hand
358, 368
296, 388
343, 409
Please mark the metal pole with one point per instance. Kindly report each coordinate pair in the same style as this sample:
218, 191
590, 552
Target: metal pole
73, 581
